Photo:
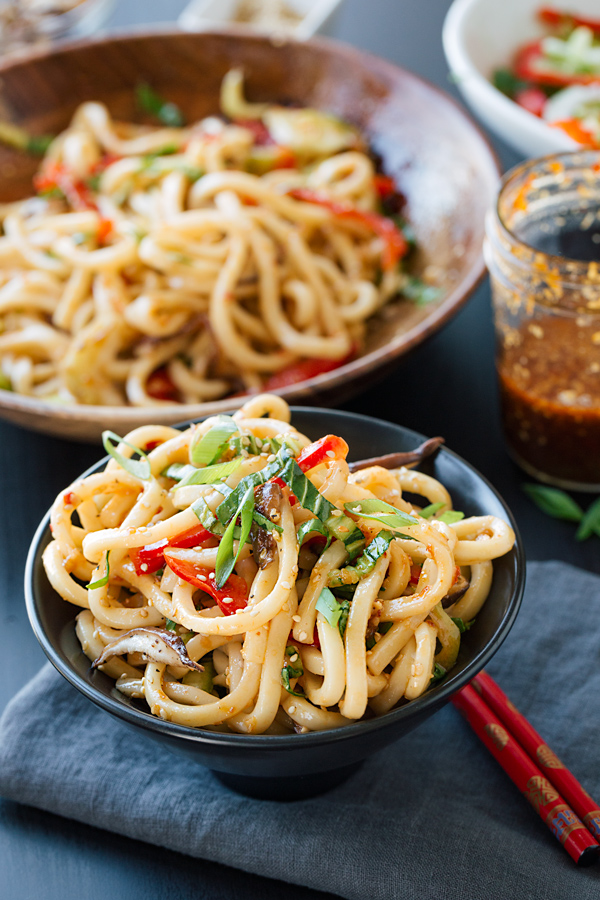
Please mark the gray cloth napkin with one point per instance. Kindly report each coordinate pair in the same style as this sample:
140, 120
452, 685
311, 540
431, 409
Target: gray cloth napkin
431, 818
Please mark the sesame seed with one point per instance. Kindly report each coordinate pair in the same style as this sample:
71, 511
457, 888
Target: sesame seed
295, 618
144, 613
227, 599
343, 528
291, 709
202, 577
286, 585
303, 635
144, 567
330, 454
294, 657
337, 512
271, 457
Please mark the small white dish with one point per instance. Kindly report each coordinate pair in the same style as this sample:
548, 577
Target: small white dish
480, 36
315, 16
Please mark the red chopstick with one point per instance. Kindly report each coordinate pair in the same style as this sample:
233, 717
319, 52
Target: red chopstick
534, 745
543, 796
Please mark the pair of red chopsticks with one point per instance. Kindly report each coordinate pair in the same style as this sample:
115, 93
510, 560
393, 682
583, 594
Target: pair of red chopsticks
567, 809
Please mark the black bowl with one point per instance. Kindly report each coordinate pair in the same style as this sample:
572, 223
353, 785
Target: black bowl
299, 765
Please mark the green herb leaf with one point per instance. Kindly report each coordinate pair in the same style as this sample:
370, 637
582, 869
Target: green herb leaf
590, 524
508, 83
226, 559
553, 502
207, 475
152, 103
170, 625
139, 468
419, 293
341, 527
364, 564
343, 620
329, 607
428, 511
266, 523
370, 642
202, 680
100, 582
384, 627
205, 516
382, 512
462, 625
207, 450
285, 679
439, 672
38, 144
451, 516
310, 527
295, 668
226, 509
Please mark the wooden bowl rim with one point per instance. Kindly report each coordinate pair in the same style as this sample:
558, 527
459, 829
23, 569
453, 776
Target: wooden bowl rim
328, 381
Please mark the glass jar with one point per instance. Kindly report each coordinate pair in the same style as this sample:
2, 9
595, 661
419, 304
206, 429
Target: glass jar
542, 249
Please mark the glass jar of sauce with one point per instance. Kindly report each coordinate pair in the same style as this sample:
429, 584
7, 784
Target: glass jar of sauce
543, 252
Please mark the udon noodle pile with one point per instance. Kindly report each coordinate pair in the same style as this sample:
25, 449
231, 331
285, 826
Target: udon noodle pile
238, 576
188, 263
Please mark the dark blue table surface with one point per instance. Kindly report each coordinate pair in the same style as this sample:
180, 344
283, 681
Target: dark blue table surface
44, 856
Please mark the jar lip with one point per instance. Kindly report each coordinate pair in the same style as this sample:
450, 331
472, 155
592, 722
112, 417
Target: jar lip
578, 158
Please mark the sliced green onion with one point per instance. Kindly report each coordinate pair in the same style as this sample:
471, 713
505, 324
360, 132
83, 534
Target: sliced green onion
226, 559
461, 624
139, 468
100, 582
206, 450
364, 564
310, 527
451, 517
329, 607
207, 475
151, 102
428, 511
170, 625
382, 512
266, 523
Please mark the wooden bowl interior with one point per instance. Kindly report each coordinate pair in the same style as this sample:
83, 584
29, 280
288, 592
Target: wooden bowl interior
440, 161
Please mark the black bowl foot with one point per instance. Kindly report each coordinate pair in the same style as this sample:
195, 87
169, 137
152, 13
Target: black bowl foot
299, 787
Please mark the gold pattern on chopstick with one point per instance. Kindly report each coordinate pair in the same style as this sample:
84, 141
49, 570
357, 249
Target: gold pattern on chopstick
540, 792
498, 735
562, 821
547, 758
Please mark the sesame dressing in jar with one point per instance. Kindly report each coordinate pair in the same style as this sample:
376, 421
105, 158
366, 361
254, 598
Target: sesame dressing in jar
543, 252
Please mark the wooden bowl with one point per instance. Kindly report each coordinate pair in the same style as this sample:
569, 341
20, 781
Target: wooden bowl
440, 161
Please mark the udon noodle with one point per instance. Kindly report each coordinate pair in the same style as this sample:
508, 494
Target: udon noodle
236, 575
188, 263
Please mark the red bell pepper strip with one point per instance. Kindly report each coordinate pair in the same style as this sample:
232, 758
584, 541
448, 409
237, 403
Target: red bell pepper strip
384, 185
260, 132
56, 175
284, 487
151, 557
230, 598
326, 448
302, 371
575, 130
532, 99
532, 65
395, 245
160, 386
564, 20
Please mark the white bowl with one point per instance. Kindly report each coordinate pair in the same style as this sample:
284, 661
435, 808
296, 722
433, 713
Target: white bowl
480, 36
318, 16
